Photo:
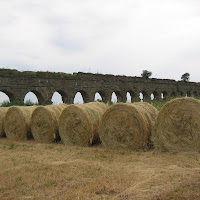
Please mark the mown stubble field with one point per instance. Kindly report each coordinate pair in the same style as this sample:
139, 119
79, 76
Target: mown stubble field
29, 170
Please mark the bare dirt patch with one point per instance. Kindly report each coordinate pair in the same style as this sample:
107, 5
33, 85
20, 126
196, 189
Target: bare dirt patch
29, 170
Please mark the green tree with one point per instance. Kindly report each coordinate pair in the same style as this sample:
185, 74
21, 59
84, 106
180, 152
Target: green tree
146, 74
185, 77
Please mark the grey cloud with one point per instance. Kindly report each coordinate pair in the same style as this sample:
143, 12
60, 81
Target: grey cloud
115, 37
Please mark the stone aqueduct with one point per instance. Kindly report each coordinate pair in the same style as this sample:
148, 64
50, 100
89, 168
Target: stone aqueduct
43, 84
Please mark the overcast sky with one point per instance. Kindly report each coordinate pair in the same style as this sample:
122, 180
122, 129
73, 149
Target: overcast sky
120, 37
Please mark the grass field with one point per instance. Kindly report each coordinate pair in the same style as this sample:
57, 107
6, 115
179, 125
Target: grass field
29, 170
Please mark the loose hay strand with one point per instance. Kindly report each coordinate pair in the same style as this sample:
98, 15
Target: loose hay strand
44, 123
128, 126
178, 126
78, 124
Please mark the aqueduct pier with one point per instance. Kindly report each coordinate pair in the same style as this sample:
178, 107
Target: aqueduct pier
17, 84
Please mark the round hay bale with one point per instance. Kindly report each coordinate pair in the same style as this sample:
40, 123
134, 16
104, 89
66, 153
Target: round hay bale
3, 111
178, 126
44, 123
78, 124
127, 125
17, 122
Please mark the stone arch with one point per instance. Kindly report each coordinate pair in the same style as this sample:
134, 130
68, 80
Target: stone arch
39, 96
146, 96
128, 97
103, 95
152, 97
114, 98
7, 95
119, 96
155, 96
58, 97
63, 95
98, 97
31, 96
78, 98
86, 97
4, 97
141, 96
133, 96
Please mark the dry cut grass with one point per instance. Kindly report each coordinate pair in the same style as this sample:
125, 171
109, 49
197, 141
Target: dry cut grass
29, 170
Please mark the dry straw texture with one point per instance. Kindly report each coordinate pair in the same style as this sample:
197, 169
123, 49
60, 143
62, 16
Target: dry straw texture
78, 124
17, 122
128, 126
2, 116
178, 126
44, 123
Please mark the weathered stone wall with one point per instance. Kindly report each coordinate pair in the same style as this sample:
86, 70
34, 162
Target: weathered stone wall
17, 84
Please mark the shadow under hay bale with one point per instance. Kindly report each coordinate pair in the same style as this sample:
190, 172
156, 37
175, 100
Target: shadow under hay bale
127, 126
178, 126
17, 122
3, 112
44, 123
78, 124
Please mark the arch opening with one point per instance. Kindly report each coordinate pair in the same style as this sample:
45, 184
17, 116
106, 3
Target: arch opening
98, 97
31, 98
57, 98
128, 97
145, 96
164, 96
155, 96
4, 98
114, 98
78, 98
141, 96
152, 97
133, 96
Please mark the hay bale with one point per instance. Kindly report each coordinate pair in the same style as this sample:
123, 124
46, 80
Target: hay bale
44, 123
3, 111
178, 126
78, 124
17, 122
127, 126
